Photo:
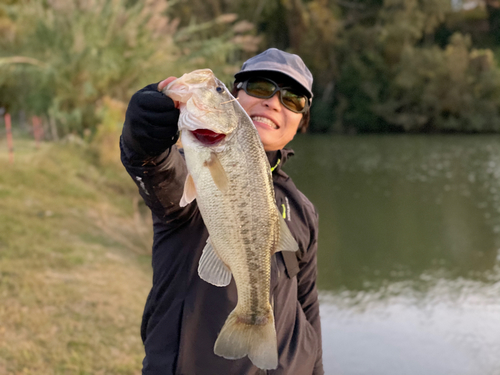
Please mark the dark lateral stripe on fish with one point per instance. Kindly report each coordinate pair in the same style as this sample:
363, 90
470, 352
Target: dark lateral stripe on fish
208, 137
252, 271
255, 274
251, 255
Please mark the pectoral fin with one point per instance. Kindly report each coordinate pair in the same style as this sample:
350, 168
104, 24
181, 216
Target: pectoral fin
217, 171
286, 242
189, 193
211, 268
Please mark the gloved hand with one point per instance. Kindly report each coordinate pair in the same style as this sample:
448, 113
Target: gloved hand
150, 126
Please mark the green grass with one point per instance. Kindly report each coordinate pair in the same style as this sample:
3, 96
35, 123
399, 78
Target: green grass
74, 263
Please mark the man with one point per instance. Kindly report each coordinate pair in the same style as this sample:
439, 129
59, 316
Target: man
184, 314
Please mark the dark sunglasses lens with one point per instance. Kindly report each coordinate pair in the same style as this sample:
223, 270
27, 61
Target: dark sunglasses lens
260, 88
293, 102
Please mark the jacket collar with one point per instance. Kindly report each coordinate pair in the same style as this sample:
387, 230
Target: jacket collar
278, 158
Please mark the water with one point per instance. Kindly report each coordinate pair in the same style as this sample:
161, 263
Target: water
409, 254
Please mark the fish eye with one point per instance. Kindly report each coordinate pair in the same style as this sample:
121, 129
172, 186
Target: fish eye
219, 89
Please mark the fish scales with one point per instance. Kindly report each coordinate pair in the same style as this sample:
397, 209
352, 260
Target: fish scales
230, 178
245, 232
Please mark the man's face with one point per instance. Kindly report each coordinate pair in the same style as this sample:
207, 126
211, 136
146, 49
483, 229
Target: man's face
276, 124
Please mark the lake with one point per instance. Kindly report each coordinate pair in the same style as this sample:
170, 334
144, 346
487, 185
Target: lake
409, 251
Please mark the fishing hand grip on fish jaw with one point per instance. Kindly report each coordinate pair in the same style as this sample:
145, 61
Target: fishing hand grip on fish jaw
151, 121
164, 84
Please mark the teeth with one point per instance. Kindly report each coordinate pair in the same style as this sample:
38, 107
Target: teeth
265, 121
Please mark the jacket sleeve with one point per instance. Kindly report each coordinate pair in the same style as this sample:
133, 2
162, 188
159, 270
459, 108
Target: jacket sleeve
161, 183
307, 290
150, 156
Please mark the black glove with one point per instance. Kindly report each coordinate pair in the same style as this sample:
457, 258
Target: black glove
150, 122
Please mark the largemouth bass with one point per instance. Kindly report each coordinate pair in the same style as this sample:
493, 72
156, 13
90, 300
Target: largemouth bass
230, 178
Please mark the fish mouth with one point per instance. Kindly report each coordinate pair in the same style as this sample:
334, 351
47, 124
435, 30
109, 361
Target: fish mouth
208, 137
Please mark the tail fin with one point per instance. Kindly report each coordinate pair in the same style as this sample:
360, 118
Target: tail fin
238, 339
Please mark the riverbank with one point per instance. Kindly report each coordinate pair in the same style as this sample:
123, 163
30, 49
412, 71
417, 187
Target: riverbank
74, 263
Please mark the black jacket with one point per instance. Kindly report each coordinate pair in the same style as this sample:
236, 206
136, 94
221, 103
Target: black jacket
183, 313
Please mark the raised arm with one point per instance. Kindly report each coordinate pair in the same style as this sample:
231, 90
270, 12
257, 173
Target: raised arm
149, 154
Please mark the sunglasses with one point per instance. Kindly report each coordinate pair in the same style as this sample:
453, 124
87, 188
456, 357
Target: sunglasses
264, 88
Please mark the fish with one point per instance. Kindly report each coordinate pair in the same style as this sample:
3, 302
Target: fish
230, 178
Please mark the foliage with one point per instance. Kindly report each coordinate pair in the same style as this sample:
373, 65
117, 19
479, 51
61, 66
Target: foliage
379, 65
105, 143
394, 78
85, 50
221, 44
63, 57
455, 89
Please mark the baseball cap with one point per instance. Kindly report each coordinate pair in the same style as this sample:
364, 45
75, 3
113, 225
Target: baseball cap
275, 60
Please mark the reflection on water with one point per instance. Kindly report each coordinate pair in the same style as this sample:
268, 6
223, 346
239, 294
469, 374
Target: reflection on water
409, 251
451, 329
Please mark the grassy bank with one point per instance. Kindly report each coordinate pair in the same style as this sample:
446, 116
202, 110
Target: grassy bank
74, 263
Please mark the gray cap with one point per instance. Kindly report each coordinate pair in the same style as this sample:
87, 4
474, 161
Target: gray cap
275, 60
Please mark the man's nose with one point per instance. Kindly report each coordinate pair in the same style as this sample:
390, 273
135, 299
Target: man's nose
273, 102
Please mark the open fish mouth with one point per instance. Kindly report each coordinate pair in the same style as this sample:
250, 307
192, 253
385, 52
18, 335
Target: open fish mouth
208, 137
